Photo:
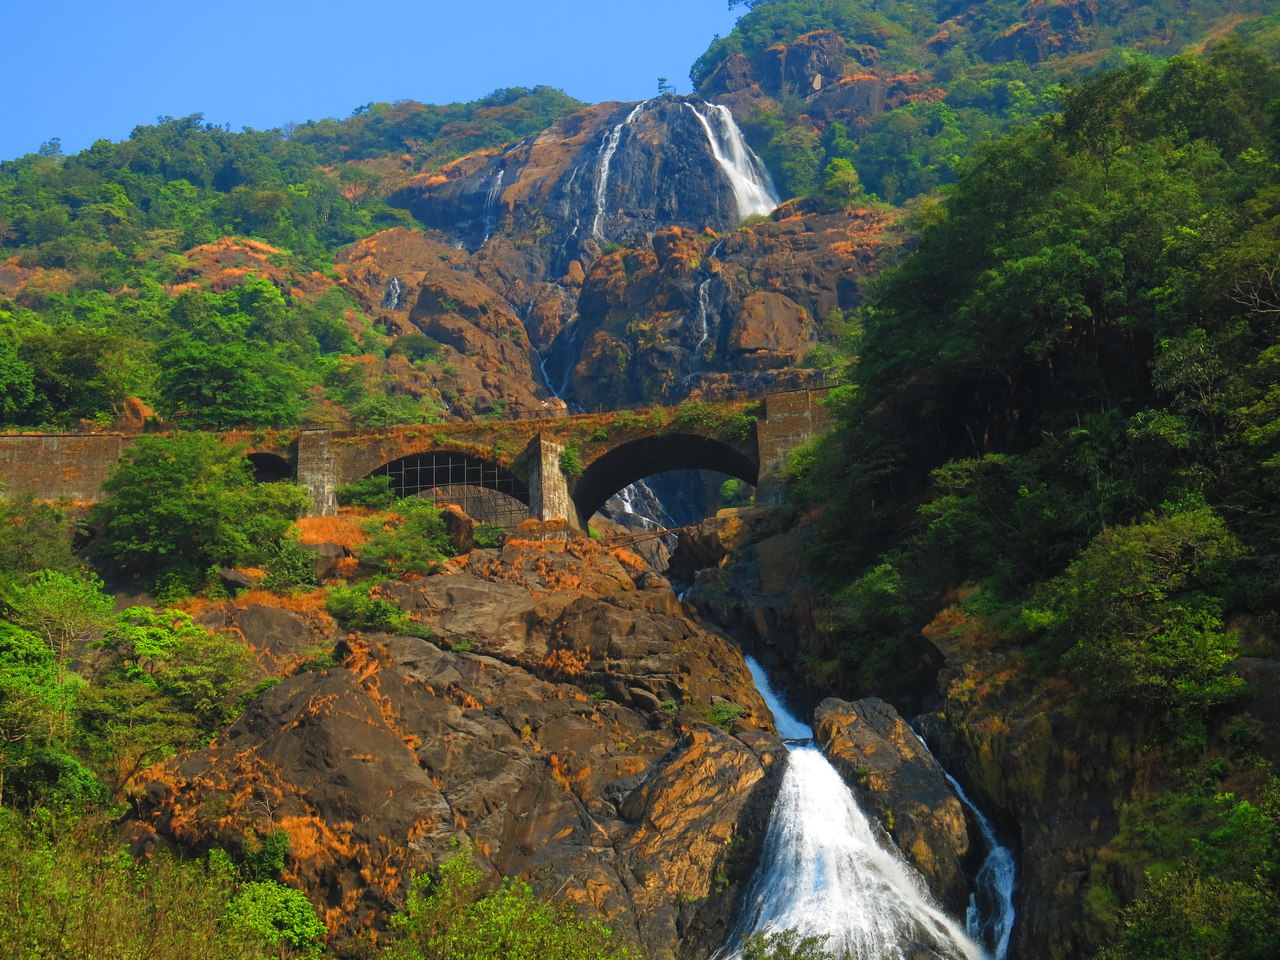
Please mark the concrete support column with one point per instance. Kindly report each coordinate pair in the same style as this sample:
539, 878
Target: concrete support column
318, 471
790, 420
548, 486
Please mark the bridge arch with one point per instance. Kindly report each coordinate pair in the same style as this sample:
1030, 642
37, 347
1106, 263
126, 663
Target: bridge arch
270, 467
646, 456
485, 490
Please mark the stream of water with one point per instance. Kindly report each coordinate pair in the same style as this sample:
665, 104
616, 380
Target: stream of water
823, 871
607, 150
752, 188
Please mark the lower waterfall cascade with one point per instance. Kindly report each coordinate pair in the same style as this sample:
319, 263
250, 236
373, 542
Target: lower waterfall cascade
823, 871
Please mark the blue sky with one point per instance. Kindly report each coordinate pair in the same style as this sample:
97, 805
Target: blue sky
83, 70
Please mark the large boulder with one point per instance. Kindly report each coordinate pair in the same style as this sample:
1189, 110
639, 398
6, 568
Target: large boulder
557, 719
893, 774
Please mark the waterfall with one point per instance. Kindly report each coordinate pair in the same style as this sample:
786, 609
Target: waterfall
567, 206
640, 492
990, 916
823, 872
391, 295
704, 306
491, 206
752, 188
607, 150
542, 361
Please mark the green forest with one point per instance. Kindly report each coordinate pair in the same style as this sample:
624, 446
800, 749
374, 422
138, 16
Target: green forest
1067, 397
108, 235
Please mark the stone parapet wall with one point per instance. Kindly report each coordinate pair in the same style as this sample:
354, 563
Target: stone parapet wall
60, 466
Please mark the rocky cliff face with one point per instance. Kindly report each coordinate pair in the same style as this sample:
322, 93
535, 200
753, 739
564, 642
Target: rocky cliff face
686, 313
557, 718
838, 80
609, 173
611, 237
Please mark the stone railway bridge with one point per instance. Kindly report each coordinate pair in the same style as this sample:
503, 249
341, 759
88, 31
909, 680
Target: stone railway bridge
564, 467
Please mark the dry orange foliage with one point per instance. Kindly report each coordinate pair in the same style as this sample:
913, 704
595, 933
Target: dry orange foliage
567, 663
344, 530
630, 560
312, 837
307, 603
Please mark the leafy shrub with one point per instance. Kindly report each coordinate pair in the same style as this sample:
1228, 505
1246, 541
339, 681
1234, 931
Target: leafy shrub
279, 916
417, 346
723, 714
97, 901
734, 426
410, 539
735, 492
785, 945
290, 566
364, 607
453, 916
374, 492
571, 461
490, 535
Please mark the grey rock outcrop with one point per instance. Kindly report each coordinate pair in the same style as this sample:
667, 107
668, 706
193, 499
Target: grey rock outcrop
893, 774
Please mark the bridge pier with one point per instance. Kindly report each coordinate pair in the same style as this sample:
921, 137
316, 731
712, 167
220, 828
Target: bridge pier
548, 486
790, 420
318, 471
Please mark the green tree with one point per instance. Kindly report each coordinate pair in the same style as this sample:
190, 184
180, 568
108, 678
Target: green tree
1137, 614
33, 536
34, 700
411, 538
223, 385
453, 916
841, 185
1185, 915
182, 503
279, 916
68, 610
17, 386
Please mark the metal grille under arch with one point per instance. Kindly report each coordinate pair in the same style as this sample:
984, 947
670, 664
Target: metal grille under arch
486, 492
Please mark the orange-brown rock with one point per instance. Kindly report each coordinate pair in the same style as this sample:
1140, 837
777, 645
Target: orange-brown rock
226, 263
771, 330
411, 282
555, 718
838, 81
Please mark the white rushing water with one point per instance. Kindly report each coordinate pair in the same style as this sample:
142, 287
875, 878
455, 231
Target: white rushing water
824, 873
704, 307
752, 188
391, 295
990, 916
491, 206
607, 150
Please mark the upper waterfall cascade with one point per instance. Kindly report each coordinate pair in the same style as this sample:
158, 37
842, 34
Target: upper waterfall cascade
752, 187
609, 148
824, 873
491, 205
